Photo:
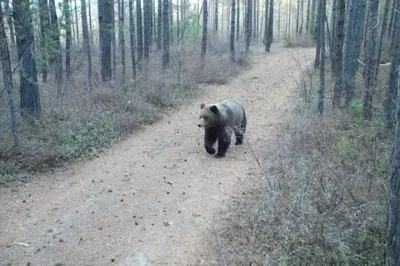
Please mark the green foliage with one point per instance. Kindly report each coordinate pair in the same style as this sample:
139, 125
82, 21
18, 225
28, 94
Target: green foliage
8, 172
356, 107
87, 139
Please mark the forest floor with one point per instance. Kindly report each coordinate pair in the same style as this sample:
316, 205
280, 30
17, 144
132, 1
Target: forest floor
150, 199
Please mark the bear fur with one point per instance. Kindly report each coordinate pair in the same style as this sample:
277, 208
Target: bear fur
219, 120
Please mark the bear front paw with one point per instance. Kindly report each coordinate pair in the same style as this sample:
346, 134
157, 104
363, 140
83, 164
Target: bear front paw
210, 150
219, 155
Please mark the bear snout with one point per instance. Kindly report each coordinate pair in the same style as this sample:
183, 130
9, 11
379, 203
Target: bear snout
198, 125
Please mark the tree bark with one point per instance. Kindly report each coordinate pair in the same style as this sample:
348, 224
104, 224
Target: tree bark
321, 31
105, 10
86, 40
166, 40
68, 40
121, 16
248, 24
159, 23
352, 48
56, 55
382, 36
7, 77
29, 88
44, 28
132, 38
232, 37
8, 14
237, 20
270, 31
339, 42
205, 26
90, 23
139, 26
266, 9
392, 247
77, 25
392, 88
370, 51
147, 32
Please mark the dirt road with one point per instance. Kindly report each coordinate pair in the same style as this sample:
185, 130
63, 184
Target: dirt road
150, 199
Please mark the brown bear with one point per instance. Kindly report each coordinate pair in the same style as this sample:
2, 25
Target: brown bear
219, 120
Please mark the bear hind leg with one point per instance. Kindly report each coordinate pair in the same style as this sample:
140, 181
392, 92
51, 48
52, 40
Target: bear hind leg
210, 137
224, 140
239, 134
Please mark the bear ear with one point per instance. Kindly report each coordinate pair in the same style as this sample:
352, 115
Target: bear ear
214, 109
202, 105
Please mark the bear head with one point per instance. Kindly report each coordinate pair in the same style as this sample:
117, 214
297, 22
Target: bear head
208, 115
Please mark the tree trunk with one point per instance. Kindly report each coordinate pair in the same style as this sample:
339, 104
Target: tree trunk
298, 17
205, 23
391, 20
171, 21
56, 55
266, 9
270, 31
147, 29
333, 37
237, 20
279, 20
90, 24
44, 28
370, 51
139, 26
392, 247
121, 11
132, 37
68, 40
8, 14
113, 41
339, 42
166, 26
301, 17
105, 10
354, 31
289, 24
86, 42
150, 11
7, 78
29, 88
382, 36
159, 17
392, 88
248, 24
77, 25
312, 18
308, 17
321, 32
216, 17
232, 37
318, 49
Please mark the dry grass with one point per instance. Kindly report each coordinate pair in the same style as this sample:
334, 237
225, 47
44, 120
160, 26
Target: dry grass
322, 199
85, 122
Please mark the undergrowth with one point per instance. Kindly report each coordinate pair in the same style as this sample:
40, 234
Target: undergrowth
322, 198
87, 121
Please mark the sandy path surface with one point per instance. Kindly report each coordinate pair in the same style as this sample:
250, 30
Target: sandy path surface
150, 199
